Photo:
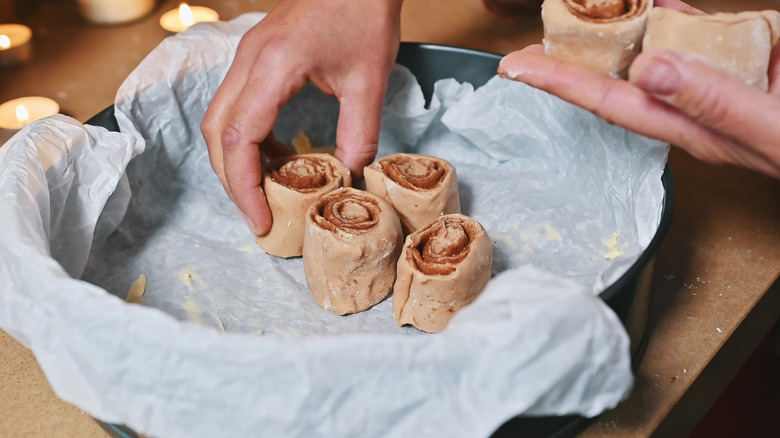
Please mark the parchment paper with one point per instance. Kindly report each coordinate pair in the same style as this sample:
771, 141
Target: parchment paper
230, 342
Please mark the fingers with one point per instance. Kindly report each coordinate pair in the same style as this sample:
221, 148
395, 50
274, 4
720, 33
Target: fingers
248, 124
221, 105
357, 136
774, 71
238, 123
674, 97
711, 97
616, 101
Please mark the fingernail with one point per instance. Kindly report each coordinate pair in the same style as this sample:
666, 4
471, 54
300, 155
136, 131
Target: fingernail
660, 77
506, 73
249, 222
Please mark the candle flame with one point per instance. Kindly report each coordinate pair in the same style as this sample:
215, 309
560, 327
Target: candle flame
5, 42
185, 14
22, 115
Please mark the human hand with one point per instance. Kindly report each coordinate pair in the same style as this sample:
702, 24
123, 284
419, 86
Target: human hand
673, 97
345, 48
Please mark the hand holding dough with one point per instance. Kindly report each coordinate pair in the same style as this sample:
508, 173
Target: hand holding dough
604, 34
443, 268
419, 187
291, 185
738, 43
350, 249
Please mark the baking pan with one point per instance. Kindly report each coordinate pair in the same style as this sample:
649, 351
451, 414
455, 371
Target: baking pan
629, 296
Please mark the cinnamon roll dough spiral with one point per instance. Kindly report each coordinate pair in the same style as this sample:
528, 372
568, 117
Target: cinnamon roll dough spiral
291, 185
419, 187
739, 43
604, 34
443, 268
350, 249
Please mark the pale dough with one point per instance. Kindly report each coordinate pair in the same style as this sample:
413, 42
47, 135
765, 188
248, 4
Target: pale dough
739, 43
604, 34
419, 187
443, 267
291, 185
350, 249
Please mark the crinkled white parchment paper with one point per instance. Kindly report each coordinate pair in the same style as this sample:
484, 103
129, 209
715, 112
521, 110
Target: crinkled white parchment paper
231, 343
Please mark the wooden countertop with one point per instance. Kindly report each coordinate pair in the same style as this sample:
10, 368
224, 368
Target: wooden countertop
716, 291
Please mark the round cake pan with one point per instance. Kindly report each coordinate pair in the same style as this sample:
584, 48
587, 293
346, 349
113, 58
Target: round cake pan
629, 296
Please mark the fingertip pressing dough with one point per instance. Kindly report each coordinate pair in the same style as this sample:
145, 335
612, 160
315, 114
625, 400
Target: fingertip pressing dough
739, 43
291, 185
419, 187
443, 267
350, 249
604, 34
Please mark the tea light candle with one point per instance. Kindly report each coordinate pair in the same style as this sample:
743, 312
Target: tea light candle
15, 44
18, 113
114, 11
179, 20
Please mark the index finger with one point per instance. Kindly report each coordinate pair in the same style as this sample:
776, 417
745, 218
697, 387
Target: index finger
616, 101
247, 125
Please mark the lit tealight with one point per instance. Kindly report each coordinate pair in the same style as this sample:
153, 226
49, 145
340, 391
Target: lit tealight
114, 11
15, 44
22, 115
18, 113
179, 20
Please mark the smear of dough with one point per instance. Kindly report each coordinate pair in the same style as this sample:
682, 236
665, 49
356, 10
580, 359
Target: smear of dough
303, 145
541, 232
613, 252
193, 311
505, 238
137, 290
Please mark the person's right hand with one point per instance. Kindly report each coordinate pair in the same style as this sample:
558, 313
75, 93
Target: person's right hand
344, 47
673, 97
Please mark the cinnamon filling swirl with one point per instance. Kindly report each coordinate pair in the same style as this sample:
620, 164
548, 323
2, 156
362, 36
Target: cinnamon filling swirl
414, 173
348, 212
301, 173
600, 9
443, 246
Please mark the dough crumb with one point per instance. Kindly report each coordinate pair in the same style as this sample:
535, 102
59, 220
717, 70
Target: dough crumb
186, 276
137, 290
613, 252
303, 145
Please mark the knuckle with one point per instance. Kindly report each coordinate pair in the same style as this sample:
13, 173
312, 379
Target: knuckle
363, 154
208, 127
231, 137
708, 106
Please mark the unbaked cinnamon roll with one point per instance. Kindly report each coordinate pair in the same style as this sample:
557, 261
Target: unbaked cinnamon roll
350, 249
291, 185
419, 187
739, 43
604, 34
443, 268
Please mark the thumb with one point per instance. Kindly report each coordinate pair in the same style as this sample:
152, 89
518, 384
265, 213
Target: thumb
706, 94
357, 136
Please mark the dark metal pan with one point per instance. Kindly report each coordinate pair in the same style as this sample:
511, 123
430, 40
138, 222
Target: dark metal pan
629, 296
